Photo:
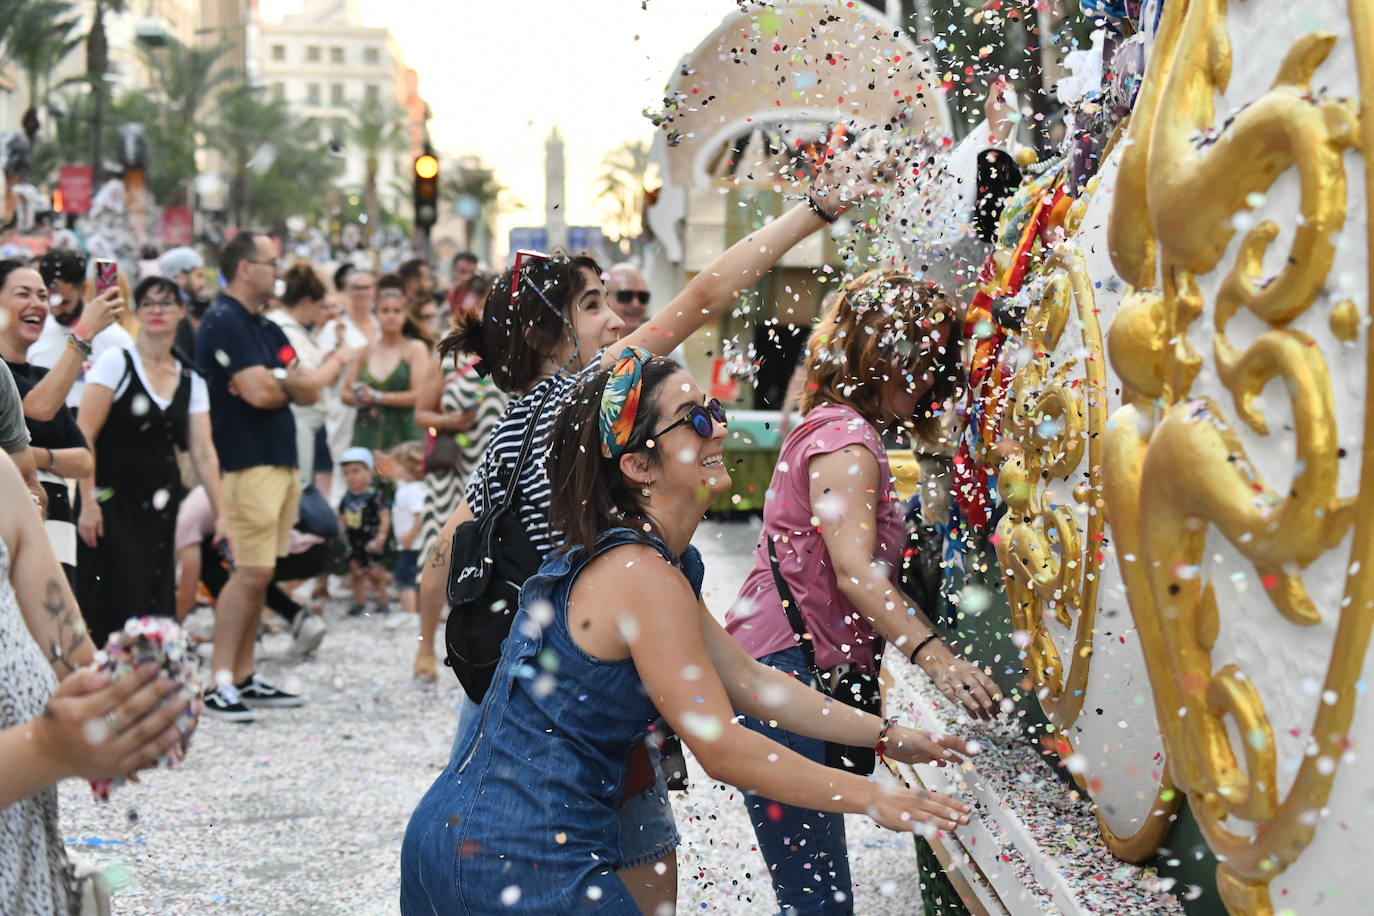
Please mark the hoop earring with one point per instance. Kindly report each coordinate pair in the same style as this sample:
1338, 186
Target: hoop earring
645, 491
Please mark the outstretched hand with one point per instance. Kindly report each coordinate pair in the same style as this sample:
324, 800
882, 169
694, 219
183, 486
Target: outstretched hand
905, 809
853, 174
962, 682
911, 745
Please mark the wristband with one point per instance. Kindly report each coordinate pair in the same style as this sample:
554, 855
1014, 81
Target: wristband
921, 645
881, 747
80, 344
818, 209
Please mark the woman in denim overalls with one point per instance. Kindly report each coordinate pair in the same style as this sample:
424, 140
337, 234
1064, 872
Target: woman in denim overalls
610, 635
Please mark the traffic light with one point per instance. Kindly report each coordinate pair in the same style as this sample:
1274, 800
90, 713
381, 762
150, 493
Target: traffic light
426, 191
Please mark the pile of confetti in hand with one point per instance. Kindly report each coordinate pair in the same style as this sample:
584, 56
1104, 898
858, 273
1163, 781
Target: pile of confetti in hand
159, 640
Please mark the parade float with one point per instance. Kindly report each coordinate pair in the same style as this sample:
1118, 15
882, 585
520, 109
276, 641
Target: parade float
1159, 536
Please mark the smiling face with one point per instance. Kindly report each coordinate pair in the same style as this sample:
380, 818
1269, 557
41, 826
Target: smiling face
594, 323
689, 466
23, 306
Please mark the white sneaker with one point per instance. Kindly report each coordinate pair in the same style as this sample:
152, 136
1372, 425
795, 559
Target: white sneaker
307, 632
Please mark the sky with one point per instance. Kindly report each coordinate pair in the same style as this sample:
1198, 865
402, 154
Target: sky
499, 75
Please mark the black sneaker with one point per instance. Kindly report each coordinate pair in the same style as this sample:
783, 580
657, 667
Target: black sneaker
257, 692
382, 609
226, 703
357, 610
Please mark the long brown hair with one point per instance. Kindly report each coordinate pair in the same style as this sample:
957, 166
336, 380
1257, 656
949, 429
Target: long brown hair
871, 323
513, 340
591, 494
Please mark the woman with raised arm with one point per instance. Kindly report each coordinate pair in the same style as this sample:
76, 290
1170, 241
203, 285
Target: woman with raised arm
545, 328
879, 359
611, 634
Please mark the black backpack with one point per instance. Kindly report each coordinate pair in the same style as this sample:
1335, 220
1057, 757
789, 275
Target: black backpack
492, 558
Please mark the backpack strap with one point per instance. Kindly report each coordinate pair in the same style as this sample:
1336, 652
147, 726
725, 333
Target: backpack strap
526, 446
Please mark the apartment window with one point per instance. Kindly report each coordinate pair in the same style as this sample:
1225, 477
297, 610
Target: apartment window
371, 56
374, 92
278, 91
279, 52
312, 93
336, 55
312, 54
336, 93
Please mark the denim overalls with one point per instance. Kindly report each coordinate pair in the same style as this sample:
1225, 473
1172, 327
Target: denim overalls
524, 818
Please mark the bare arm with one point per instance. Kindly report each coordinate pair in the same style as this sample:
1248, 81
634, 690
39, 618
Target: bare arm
95, 410
351, 379
73, 463
433, 592
299, 386
845, 491
766, 693
46, 398
669, 652
41, 587
206, 462
847, 177
28, 469
258, 387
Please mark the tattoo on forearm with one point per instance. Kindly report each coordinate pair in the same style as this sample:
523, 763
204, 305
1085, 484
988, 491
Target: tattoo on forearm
68, 627
438, 557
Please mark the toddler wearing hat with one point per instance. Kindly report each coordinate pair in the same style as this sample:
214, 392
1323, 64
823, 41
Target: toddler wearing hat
365, 520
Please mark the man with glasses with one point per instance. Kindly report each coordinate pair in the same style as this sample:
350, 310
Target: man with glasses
628, 294
253, 377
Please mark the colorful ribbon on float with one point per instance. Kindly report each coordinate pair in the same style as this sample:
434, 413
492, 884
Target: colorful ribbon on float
620, 401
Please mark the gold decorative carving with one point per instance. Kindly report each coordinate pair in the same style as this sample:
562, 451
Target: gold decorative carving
1173, 467
1057, 417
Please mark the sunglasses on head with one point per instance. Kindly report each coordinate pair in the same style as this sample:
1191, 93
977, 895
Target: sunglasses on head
523, 257
703, 418
626, 296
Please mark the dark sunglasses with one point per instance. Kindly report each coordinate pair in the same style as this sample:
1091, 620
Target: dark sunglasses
626, 296
703, 418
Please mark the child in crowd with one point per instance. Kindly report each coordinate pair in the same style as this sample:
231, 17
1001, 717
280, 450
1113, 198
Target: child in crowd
365, 520
404, 464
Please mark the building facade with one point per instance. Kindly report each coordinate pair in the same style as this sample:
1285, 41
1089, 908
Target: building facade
324, 64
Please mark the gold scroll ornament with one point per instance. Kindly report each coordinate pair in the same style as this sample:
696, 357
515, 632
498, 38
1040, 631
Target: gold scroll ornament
1174, 466
1053, 567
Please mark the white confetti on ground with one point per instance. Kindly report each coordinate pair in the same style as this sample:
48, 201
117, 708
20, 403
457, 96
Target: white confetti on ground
304, 811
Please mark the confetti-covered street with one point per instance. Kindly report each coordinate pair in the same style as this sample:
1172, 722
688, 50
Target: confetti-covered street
303, 811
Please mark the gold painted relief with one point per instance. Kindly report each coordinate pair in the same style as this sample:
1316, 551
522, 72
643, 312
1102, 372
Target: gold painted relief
1174, 467
1057, 416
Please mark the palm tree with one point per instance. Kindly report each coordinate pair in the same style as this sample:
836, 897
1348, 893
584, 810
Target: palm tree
376, 128
187, 79
97, 63
278, 162
469, 179
624, 174
38, 38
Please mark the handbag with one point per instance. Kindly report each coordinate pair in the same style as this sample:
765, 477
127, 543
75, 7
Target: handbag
441, 447
441, 452
314, 515
843, 683
492, 557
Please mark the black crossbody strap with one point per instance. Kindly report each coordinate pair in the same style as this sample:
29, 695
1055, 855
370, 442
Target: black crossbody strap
794, 617
526, 446
793, 612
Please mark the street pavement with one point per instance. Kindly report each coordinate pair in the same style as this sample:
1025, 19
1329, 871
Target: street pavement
304, 810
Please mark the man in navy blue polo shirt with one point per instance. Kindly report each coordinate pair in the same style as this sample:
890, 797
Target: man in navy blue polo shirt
253, 377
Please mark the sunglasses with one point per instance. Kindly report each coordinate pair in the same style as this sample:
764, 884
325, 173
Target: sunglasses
703, 418
626, 296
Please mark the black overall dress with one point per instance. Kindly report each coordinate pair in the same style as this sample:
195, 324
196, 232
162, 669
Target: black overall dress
131, 572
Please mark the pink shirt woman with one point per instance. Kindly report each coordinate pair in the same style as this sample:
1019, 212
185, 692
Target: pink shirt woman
840, 633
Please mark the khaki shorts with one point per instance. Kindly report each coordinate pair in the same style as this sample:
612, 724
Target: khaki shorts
261, 503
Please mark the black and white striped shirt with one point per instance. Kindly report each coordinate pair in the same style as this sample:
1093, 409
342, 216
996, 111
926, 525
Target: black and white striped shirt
503, 449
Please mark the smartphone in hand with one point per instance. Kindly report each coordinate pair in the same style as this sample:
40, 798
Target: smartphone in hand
106, 275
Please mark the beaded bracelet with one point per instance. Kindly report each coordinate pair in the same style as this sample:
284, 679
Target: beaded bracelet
881, 746
79, 344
